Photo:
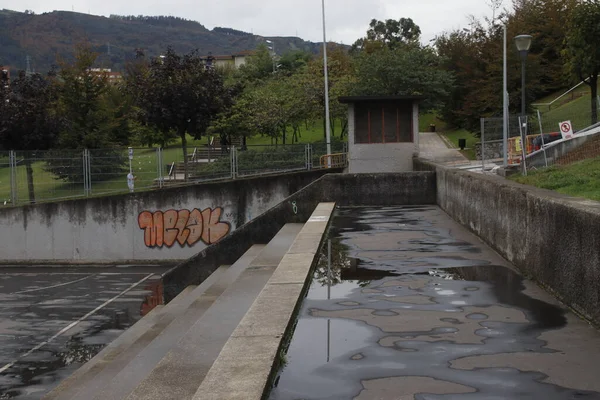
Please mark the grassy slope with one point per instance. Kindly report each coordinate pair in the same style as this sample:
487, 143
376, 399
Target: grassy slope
581, 179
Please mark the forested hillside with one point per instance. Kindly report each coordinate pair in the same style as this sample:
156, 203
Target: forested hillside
50, 35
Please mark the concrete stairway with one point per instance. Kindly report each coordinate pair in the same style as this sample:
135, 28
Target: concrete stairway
167, 354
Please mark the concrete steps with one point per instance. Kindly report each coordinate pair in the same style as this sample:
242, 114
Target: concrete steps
167, 354
130, 343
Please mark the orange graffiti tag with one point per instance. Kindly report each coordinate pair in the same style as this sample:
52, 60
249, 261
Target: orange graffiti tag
184, 227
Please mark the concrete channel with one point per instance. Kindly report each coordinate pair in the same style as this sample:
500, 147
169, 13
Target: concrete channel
407, 304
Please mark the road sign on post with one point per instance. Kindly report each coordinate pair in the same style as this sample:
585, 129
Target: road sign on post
566, 129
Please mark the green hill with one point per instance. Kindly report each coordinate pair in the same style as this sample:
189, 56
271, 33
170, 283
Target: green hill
47, 36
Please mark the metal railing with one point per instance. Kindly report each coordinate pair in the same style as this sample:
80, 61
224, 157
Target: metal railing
532, 137
36, 176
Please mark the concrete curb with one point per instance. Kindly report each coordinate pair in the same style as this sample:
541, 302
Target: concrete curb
243, 368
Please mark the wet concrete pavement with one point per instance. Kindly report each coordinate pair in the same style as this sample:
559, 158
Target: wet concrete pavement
52, 320
406, 304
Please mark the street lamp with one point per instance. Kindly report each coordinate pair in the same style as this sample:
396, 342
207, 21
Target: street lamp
523, 43
326, 73
272, 48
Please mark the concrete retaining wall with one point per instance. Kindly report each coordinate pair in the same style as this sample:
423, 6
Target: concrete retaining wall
552, 238
166, 225
414, 188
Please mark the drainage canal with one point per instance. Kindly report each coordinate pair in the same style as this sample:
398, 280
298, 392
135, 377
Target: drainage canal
404, 303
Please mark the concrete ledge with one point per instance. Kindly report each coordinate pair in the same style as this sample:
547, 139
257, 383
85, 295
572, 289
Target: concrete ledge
552, 238
244, 367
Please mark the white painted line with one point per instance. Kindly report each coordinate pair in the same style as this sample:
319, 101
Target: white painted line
74, 323
51, 287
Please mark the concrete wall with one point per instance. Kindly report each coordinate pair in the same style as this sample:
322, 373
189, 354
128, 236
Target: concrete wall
166, 225
552, 238
384, 157
413, 188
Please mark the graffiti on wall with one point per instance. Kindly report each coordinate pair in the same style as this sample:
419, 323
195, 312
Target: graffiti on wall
165, 228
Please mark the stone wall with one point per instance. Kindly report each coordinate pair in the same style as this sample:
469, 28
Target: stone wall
552, 238
493, 150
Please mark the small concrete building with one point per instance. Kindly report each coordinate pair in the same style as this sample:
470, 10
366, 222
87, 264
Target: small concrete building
383, 133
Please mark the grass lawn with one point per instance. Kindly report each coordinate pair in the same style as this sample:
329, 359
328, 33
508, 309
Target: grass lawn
425, 120
577, 111
581, 179
454, 135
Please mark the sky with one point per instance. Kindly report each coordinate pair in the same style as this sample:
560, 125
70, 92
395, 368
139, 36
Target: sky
347, 20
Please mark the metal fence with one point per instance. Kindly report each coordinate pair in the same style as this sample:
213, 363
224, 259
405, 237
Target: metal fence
531, 133
34, 176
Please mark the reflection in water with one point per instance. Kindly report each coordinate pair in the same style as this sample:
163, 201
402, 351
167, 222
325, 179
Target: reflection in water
415, 316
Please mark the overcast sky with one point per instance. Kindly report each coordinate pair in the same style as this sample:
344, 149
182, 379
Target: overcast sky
347, 20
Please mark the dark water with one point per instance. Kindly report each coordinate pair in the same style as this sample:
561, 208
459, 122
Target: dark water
399, 296
38, 303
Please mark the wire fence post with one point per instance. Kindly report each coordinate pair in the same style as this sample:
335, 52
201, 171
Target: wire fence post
523, 143
12, 162
87, 173
542, 137
307, 157
482, 144
233, 162
159, 167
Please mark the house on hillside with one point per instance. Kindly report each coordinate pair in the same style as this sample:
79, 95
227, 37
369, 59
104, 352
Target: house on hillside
5, 73
113, 76
227, 61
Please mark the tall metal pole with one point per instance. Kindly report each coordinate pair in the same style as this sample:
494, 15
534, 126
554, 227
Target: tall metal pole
523, 74
523, 119
505, 103
327, 123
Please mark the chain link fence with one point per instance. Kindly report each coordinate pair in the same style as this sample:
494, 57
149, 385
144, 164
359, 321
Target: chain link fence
539, 138
34, 176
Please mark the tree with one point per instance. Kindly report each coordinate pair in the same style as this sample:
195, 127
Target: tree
28, 118
389, 33
259, 65
95, 117
410, 71
181, 95
582, 51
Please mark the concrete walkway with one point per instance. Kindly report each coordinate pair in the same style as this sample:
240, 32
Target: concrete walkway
433, 147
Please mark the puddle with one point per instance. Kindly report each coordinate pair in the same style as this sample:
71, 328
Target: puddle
39, 315
385, 327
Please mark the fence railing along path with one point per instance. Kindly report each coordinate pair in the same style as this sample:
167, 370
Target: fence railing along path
34, 176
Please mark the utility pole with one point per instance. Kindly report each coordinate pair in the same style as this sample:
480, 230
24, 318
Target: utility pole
327, 123
28, 69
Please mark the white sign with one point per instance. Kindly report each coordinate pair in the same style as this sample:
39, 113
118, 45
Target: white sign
566, 129
131, 153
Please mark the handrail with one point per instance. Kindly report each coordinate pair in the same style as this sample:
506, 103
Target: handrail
172, 169
561, 96
334, 160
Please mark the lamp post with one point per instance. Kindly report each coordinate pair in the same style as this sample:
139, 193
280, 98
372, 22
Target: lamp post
273, 50
327, 126
523, 43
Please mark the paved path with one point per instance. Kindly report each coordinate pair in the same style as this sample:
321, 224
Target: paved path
416, 307
52, 320
433, 147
